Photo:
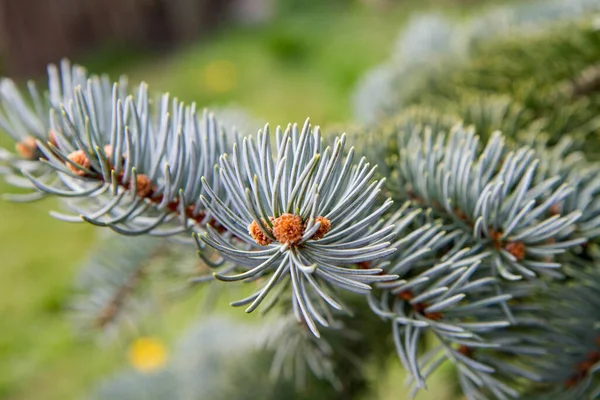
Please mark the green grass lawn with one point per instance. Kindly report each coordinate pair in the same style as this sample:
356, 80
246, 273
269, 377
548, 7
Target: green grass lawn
303, 65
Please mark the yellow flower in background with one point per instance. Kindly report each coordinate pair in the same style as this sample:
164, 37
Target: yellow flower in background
220, 76
147, 354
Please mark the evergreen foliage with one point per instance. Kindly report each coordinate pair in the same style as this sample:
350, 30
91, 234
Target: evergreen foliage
460, 233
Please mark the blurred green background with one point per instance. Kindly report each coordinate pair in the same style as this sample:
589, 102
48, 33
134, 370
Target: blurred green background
303, 60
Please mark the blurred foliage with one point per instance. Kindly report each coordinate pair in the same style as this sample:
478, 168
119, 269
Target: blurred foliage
290, 47
555, 77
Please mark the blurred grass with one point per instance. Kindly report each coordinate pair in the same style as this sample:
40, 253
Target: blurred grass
282, 72
305, 64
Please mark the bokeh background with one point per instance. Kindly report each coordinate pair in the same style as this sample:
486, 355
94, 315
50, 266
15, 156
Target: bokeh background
280, 60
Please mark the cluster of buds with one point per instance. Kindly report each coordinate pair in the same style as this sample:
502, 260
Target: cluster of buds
288, 229
29, 150
79, 163
143, 185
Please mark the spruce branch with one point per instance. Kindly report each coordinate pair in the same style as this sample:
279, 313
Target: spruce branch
119, 160
302, 214
296, 349
481, 221
127, 279
552, 351
572, 168
441, 292
490, 197
111, 295
487, 245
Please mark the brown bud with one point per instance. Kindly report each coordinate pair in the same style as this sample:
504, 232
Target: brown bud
78, 157
517, 249
173, 205
554, 209
199, 217
419, 307
465, 350
119, 177
364, 265
288, 229
258, 235
144, 186
323, 228
434, 316
406, 295
157, 198
496, 238
27, 148
189, 211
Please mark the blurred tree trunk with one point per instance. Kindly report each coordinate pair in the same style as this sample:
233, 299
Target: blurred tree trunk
36, 32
